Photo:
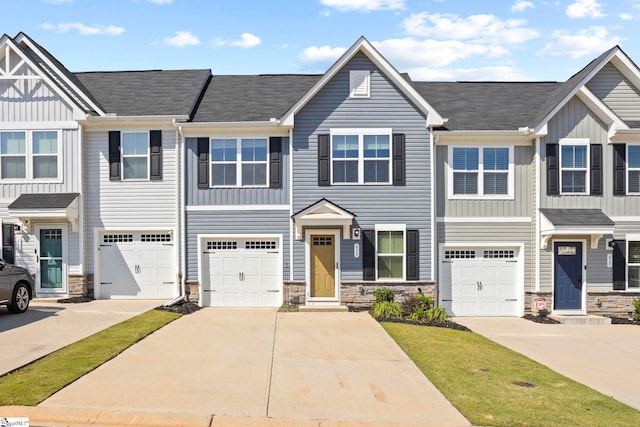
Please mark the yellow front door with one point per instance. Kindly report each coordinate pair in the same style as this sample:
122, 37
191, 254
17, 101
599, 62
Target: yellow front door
323, 260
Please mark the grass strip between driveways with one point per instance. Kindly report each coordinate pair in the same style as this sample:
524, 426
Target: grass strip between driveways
36, 381
479, 378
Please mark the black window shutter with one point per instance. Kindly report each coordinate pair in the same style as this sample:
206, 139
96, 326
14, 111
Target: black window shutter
324, 165
413, 258
8, 245
275, 162
368, 255
114, 155
553, 172
619, 169
155, 145
398, 159
619, 265
203, 162
596, 169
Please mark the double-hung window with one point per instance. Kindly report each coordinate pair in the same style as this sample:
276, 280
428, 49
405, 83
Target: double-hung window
481, 171
574, 164
633, 265
633, 168
135, 155
29, 155
390, 252
361, 156
239, 162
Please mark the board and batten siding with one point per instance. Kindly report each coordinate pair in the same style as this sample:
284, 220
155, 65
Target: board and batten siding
127, 204
33, 102
387, 107
519, 206
486, 233
617, 92
233, 196
239, 222
576, 121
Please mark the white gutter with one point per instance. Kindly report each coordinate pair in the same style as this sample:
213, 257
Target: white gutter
227, 125
291, 204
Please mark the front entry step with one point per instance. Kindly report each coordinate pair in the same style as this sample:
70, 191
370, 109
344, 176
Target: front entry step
324, 308
589, 319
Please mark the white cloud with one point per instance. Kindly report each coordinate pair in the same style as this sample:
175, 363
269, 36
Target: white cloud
585, 9
521, 6
83, 29
589, 41
182, 39
480, 28
322, 55
626, 16
247, 40
496, 73
363, 5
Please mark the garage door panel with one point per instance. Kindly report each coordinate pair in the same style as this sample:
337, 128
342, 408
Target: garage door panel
480, 282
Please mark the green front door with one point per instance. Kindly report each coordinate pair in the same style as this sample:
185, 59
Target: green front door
51, 259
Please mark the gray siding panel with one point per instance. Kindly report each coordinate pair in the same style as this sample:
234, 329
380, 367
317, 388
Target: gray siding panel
372, 204
617, 92
233, 196
576, 121
520, 206
234, 222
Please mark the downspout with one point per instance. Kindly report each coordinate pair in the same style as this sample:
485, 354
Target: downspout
536, 210
291, 229
82, 203
433, 210
180, 208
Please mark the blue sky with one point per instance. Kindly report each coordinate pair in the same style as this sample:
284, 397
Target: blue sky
431, 40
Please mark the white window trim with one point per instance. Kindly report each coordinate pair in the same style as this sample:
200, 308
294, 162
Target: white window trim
392, 227
480, 194
239, 163
29, 158
148, 155
630, 169
360, 133
363, 89
629, 238
575, 141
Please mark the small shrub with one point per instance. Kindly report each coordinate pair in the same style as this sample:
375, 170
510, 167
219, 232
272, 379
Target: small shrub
438, 314
414, 306
386, 309
636, 309
383, 294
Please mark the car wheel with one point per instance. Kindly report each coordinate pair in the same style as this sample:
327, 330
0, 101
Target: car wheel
20, 299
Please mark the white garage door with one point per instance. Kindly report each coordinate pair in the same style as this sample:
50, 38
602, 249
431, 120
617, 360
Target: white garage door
480, 282
137, 265
242, 273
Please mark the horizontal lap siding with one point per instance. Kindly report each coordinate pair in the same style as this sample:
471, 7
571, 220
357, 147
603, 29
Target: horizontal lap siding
617, 92
372, 204
233, 196
576, 121
234, 222
127, 204
488, 233
520, 206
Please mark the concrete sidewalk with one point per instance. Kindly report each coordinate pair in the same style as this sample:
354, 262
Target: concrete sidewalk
258, 367
47, 326
603, 357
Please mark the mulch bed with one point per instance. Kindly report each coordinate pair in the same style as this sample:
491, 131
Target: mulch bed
623, 321
74, 300
446, 324
540, 319
181, 308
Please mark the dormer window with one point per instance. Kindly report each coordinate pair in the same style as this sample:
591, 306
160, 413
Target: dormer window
360, 86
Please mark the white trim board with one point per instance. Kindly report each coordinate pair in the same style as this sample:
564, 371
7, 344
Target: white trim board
193, 208
489, 219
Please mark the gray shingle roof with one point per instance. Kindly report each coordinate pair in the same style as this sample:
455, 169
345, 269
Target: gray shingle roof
577, 217
146, 93
237, 98
486, 105
43, 201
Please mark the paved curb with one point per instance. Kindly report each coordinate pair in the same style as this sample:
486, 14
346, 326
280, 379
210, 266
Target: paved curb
57, 417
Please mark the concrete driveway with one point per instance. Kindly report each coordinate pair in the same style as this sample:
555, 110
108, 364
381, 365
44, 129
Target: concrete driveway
269, 367
603, 357
47, 326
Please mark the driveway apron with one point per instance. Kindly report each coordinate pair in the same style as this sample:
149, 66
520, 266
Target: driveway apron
47, 326
260, 363
603, 357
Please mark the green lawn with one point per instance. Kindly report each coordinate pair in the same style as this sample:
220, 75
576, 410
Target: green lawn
478, 377
37, 381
